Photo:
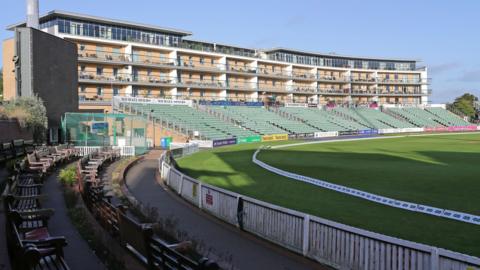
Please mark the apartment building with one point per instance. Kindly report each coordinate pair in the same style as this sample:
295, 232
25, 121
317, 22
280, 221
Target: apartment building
132, 59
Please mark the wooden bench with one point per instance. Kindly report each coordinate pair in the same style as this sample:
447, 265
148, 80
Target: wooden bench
35, 164
28, 146
65, 150
18, 148
35, 248
7, 150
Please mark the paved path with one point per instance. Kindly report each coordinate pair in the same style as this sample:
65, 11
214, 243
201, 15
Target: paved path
78, 254
246, 251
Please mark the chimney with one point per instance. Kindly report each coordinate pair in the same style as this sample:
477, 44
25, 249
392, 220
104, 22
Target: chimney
32, 14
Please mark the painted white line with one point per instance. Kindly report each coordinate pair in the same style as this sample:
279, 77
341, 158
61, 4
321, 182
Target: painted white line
426, 209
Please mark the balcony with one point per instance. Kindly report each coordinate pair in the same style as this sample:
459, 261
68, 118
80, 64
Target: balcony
202, 84
359, 80
278, 87
400, 81
201, 65
304, 76
241, 86
104, 78
364, 92
95, 102
281, 74
303, 89
340, 79
241, 70
334, 92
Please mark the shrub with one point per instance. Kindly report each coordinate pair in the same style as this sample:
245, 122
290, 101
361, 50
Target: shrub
31, 113
68, 175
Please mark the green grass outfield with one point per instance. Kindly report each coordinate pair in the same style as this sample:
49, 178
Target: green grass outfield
441, 170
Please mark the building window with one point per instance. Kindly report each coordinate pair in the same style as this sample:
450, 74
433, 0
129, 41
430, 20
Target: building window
190, 76
99, 70
213, 78
202, 93
115, 91
99, 91
149, 72
82, 68
149, 92
202, 60
201, 77
134, 92
82, 47
82, 89
212, 61
115, 72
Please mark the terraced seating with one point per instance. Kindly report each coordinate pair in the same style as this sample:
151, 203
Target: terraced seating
447, 117
264, 121
380, 120
208, 126
417, 116
348, 113
322, 120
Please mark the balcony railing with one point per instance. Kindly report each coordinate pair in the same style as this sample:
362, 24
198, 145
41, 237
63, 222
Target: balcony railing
185, 63
241, 69
304, 75
169, 81
327, 91
269, 72
303, 89
328, 78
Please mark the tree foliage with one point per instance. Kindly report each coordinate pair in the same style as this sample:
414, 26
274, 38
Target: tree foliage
31, 114
465, 105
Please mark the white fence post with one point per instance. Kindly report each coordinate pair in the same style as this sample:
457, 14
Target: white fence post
306, 234
180, 186
434, 259
200, 195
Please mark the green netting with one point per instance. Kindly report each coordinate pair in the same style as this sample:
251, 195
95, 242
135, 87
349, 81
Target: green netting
99, 129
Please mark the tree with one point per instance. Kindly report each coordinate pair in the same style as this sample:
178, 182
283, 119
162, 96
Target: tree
31, 114
465, 105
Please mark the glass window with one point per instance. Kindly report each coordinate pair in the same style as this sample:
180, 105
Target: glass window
99, 70
82, 89
99, 91
115, 91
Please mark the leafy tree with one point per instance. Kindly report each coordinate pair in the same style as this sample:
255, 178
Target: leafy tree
465, 105
31, 114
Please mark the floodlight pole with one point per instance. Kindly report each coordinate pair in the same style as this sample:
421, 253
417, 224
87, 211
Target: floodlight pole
153, 126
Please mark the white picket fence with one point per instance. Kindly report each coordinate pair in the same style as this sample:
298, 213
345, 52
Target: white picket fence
332, 243
124, 150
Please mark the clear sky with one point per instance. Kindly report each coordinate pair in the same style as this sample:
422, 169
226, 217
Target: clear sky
443, 34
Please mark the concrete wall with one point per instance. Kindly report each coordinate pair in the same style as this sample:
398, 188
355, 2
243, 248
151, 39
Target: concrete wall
47, 68
11, 130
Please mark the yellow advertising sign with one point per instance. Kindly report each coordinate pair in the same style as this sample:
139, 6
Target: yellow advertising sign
275, 137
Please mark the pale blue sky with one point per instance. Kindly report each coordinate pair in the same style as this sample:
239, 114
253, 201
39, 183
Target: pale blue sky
443, 34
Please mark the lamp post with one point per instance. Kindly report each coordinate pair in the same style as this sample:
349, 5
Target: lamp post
153, 125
